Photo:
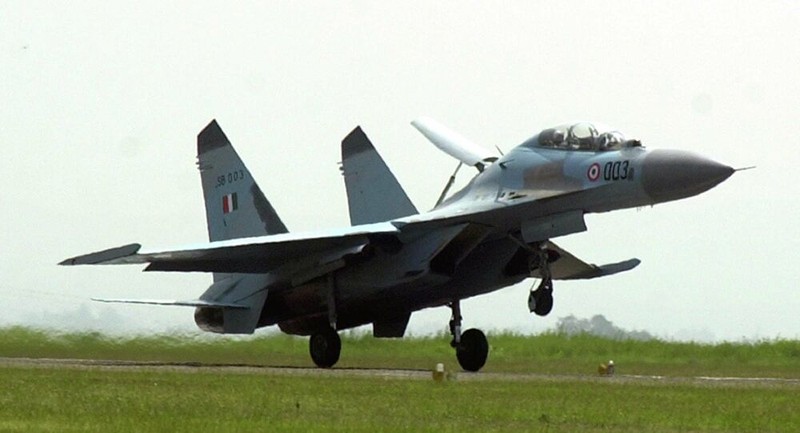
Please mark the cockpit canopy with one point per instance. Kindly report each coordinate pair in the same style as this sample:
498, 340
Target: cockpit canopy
580, 136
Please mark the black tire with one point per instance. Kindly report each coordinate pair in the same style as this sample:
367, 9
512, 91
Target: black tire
544, 303
473, 350
325, 348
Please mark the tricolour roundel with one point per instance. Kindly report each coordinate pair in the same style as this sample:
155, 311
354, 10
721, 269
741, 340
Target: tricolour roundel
594, 172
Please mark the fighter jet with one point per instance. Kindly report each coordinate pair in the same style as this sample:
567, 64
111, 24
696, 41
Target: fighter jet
393, 260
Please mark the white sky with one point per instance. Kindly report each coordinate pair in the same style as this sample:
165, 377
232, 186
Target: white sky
100, 105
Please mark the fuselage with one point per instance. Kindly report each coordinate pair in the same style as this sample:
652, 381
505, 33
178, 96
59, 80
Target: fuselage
536, 180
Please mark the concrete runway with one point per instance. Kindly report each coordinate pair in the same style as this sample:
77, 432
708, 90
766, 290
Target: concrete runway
112, 365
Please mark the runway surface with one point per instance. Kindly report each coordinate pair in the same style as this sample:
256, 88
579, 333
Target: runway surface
391, 373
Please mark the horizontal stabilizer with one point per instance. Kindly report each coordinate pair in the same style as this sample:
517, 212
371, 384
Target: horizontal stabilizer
453, 143
189, 303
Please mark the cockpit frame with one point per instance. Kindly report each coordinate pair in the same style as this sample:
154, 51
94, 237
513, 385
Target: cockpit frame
581, 136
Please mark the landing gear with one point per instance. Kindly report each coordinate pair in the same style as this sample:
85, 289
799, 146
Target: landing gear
472, 348
325, 347
540, 301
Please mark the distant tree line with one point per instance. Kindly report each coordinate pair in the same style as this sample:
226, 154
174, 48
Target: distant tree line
599, 326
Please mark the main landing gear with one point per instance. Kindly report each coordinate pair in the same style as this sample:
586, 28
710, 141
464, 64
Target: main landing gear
540, 301
471, 346
325, 347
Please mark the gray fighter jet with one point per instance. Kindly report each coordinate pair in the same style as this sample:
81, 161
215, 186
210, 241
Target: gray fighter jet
393, 260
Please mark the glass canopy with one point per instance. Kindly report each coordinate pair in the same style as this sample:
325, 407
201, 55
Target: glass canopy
579, 136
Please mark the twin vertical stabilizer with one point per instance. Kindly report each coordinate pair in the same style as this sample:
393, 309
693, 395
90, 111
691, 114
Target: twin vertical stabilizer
373, 193
235, 206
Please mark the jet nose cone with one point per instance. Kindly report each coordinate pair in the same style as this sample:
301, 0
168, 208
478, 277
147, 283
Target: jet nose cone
672, 174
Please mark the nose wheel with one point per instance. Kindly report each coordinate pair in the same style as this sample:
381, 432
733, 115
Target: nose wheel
540, 301
471, 346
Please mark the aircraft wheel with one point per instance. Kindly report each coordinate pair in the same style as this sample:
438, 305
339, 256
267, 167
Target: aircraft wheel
544, 303
540, 301
472, 350
325, 348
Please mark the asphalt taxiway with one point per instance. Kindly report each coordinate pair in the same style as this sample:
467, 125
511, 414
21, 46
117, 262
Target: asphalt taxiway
382, 373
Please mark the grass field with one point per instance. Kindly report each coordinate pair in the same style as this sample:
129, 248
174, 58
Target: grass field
97, 399
546, 353
210, 399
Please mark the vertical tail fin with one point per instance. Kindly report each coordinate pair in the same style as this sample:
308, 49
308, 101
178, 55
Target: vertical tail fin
235, 208
235, 205
373, 193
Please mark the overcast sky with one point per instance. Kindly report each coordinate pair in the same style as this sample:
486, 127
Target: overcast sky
102, 101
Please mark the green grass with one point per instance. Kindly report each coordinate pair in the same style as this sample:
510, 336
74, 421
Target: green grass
546, 353
569, 355
208, 400
80, 398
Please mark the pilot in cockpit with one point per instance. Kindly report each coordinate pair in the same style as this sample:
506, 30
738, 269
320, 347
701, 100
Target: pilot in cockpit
581, 136
609, 141
552, 137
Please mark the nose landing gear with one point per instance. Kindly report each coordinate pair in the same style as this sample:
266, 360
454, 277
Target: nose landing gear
540, 301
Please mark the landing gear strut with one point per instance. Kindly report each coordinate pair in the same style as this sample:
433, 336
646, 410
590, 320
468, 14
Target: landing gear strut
540, 301
472, 348
325, 347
